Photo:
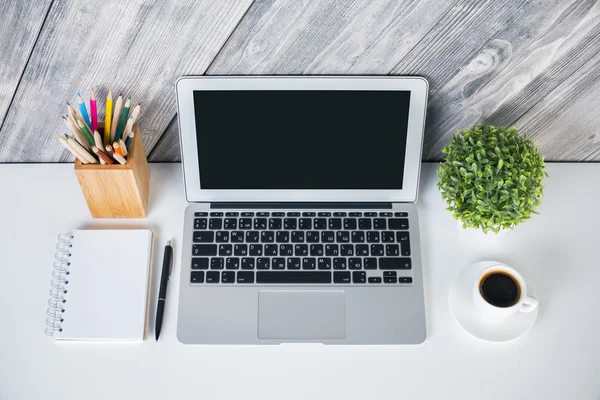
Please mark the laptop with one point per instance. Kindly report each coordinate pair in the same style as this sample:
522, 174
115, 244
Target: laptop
301, 224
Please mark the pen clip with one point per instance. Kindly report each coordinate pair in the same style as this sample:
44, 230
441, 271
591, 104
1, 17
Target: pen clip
170, 266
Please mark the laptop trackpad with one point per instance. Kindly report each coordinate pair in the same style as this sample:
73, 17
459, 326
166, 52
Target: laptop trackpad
301, 314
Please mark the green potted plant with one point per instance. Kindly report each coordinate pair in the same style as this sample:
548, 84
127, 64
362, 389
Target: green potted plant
491, 178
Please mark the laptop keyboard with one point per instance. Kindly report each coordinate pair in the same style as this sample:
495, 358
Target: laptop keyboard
364, 248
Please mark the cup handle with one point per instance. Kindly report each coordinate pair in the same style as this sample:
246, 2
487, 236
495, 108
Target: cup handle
529, 304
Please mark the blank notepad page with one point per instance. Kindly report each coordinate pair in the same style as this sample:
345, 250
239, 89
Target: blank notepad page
108, 285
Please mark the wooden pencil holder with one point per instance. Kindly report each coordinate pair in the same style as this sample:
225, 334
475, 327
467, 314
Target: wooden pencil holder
115, 190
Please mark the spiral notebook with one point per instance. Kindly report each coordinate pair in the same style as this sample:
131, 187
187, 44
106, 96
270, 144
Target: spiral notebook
101, 285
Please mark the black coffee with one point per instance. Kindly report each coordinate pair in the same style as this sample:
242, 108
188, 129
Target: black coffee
499, 289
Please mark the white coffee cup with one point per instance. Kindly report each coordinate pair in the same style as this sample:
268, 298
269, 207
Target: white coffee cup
522, 303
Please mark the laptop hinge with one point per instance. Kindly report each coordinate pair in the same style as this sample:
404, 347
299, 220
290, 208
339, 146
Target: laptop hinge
315, 205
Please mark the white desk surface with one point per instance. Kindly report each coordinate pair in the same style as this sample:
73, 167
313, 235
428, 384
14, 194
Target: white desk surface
559, 358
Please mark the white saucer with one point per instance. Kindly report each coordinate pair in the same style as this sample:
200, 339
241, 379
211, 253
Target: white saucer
467, 316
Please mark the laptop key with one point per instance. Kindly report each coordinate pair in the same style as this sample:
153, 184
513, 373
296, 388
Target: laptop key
216, 214
232, 214
228, 277
212, 277
289, 223
342, 236
375, 279
364, 223
400, 214
260, 223
339, 214
293, 214
362, 249
370, 263
222, 237
309, 214
320, 223
370, 214
278, 263
389, 280
387, 274
377, 250
256, 250
316, 250
301, 250
309, 263
247, 214
373, 237
327, 237
232, 263
354, 263
203, 237
282, 237
394, 263
201, 214
204, 249
339, 263
240, 250
199, 263
324, 263
355, 214
293, 277
297, 237
388, 237
405, 279
350, 223
200, 223
237, 237
335, 223
379, 223
358, 237
278, 214
262, 214
225, 250
245, 277
270, 250
267, 236
263, 263
385, 214
252, 237
332, 250
230, 223
359, 277
245, 223
275, 223
197, 277
404, 239
247, 263
215, 223
341, 277
312, 237
293, 263
398, 223
286, 250
305, 223
392, 250
216, 263
347, 250
324, 214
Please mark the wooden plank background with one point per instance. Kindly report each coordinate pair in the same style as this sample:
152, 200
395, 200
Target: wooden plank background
532, 64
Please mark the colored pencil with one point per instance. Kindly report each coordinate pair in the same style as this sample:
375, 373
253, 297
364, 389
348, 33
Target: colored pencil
83, 152
123, 120
76, 132
94, 111
103, 157
117, 149
108, 117
83, 110
67, 146
120, 158
98, 140
123, 147
71, 111
115, 118
86, 131
109, 150
131, 121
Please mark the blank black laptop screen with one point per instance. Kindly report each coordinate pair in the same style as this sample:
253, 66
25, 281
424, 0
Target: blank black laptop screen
301, 139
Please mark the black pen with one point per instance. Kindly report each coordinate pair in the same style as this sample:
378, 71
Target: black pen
162, 293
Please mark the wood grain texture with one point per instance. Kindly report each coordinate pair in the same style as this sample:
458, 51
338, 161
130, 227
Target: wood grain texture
492, 61
136, 47
21, 23
117, 191
167, 148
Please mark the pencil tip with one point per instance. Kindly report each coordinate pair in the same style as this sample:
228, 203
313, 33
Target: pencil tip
78, 94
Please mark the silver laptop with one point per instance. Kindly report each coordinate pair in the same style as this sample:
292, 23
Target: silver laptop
301, 224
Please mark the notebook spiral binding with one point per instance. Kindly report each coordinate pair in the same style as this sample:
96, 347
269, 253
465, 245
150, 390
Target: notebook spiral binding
59, 283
